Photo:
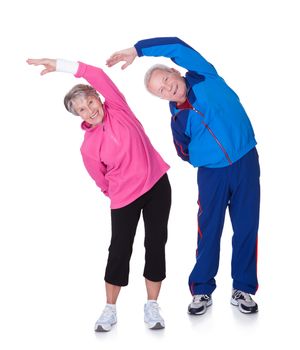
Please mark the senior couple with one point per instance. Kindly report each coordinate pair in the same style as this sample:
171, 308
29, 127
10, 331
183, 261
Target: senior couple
211, 131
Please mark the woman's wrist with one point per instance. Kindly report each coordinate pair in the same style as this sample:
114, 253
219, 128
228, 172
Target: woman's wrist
66, 66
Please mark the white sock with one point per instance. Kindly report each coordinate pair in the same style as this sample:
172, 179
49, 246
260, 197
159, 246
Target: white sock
151, 301
112, 306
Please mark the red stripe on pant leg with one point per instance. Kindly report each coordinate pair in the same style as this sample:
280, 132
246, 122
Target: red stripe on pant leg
199, 232
257, 260
199, 213
192, 288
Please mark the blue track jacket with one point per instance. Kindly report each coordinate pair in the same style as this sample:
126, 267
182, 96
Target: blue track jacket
216, 132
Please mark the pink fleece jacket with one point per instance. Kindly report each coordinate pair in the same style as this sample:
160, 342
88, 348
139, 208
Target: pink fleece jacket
117, 153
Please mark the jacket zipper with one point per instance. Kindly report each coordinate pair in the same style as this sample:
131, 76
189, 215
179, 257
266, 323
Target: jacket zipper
210, 131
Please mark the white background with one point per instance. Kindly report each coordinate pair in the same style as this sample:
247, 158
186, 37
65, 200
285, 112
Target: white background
55, 223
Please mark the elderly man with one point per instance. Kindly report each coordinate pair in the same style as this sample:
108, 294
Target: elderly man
211, 131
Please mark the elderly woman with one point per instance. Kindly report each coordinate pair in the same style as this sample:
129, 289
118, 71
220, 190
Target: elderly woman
122, 161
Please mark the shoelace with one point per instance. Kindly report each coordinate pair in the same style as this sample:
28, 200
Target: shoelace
245, 295
199, 297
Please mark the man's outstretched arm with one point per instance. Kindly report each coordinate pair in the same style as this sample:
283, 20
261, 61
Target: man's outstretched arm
174, 48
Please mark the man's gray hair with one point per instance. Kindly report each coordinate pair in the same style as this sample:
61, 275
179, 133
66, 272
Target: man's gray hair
79, 90
153, 69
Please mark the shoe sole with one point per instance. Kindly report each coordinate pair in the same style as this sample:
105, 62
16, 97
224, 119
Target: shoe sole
158, 325
100, 328
236, 303
209, 303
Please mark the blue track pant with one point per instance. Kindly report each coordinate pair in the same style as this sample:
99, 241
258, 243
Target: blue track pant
236, 187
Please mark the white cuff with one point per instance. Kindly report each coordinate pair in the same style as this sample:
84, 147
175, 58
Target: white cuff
66, 66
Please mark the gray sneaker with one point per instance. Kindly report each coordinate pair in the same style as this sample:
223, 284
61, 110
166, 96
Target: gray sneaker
199, 304
244, 301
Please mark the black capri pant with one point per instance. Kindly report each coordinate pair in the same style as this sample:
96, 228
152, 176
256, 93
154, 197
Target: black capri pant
155, 205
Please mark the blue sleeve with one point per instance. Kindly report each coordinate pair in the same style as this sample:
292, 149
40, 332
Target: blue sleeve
181, 140
179, 52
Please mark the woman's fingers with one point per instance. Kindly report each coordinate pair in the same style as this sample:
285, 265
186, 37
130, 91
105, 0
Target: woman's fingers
49, 64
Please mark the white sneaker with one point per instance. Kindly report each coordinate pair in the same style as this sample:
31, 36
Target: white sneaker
152, 316
107, 319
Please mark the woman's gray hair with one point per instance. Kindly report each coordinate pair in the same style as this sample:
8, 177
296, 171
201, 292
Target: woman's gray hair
79, 90
150, 72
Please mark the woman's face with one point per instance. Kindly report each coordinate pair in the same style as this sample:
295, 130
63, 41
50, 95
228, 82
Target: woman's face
89, 108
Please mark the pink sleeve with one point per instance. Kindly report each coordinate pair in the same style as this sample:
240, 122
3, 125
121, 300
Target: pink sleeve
97, 171
102, 83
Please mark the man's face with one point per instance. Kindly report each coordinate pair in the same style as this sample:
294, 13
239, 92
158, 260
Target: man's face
168, 85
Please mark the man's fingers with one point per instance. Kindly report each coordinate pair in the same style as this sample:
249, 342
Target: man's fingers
116, 58
109, 62
125, 65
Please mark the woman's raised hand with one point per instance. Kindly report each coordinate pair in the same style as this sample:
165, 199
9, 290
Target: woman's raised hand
48, 63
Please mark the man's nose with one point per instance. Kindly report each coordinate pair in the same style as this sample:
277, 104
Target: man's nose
168, 86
